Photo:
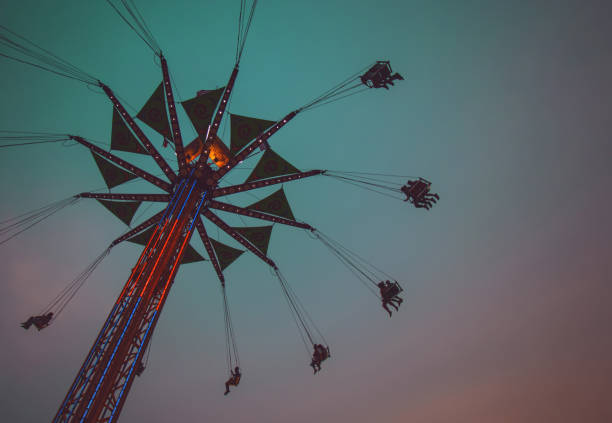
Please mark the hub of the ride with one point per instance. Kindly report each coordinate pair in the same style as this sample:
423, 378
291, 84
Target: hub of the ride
204, 175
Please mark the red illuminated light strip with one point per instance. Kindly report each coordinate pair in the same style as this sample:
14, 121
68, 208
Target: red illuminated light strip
171, 276
138, 263
160, 255
179, 256
176, 220
152, 249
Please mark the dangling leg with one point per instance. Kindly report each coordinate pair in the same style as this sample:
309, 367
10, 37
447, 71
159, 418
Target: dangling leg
26, 325
227, 390
384, 304
398, 300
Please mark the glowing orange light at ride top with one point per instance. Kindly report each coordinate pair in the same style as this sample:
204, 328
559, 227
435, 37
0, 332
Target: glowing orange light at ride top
219, 153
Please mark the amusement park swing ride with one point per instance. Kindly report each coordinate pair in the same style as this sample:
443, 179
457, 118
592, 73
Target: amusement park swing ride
191, 195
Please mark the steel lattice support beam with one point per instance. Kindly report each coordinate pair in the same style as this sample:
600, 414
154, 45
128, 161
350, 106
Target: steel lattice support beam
209, 249
233, 189
102, 384
231, 232
176, 132
144, 225
212, 131
262, 138
160, 198
126, 165
258, 215
75, 396
163, 165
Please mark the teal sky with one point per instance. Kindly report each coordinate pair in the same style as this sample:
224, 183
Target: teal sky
505, 106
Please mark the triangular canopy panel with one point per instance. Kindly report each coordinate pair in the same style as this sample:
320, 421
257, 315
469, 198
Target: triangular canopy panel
276, 204
191, 255
270, 165
122, 138
259, 236
113, 175
244, 129
200, 109
124, 210
154, 114
143, 237
225, 254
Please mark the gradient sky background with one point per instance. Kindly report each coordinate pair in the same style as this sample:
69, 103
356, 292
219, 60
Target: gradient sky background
505, 107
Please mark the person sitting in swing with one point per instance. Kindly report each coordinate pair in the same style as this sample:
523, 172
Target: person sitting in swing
139, 368
417, 192
319, 355
389, 293
40, 322
234, 380
379, 75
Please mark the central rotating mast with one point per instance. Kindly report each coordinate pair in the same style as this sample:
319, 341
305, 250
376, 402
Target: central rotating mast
100, 388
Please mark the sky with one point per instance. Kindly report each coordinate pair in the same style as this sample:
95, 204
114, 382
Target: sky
505, 107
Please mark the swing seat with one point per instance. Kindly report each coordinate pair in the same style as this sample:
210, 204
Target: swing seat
417, 190
394, 290
320, 355
377, 75
40, 322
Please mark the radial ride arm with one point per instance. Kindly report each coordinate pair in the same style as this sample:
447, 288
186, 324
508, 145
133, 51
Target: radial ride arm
258, 215
220, 223
176, 131
160, 198
144, 225
233, 189
212, 131
141, 136
126, 165
256, 143
209, 249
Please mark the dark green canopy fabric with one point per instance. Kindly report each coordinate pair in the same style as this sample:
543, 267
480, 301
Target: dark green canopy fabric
122, 138
113, 175
259, 236
270, 165
275, 203
154, 114
124, 210
225, 254
143, 237
245, 129
190, 255
200, 109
